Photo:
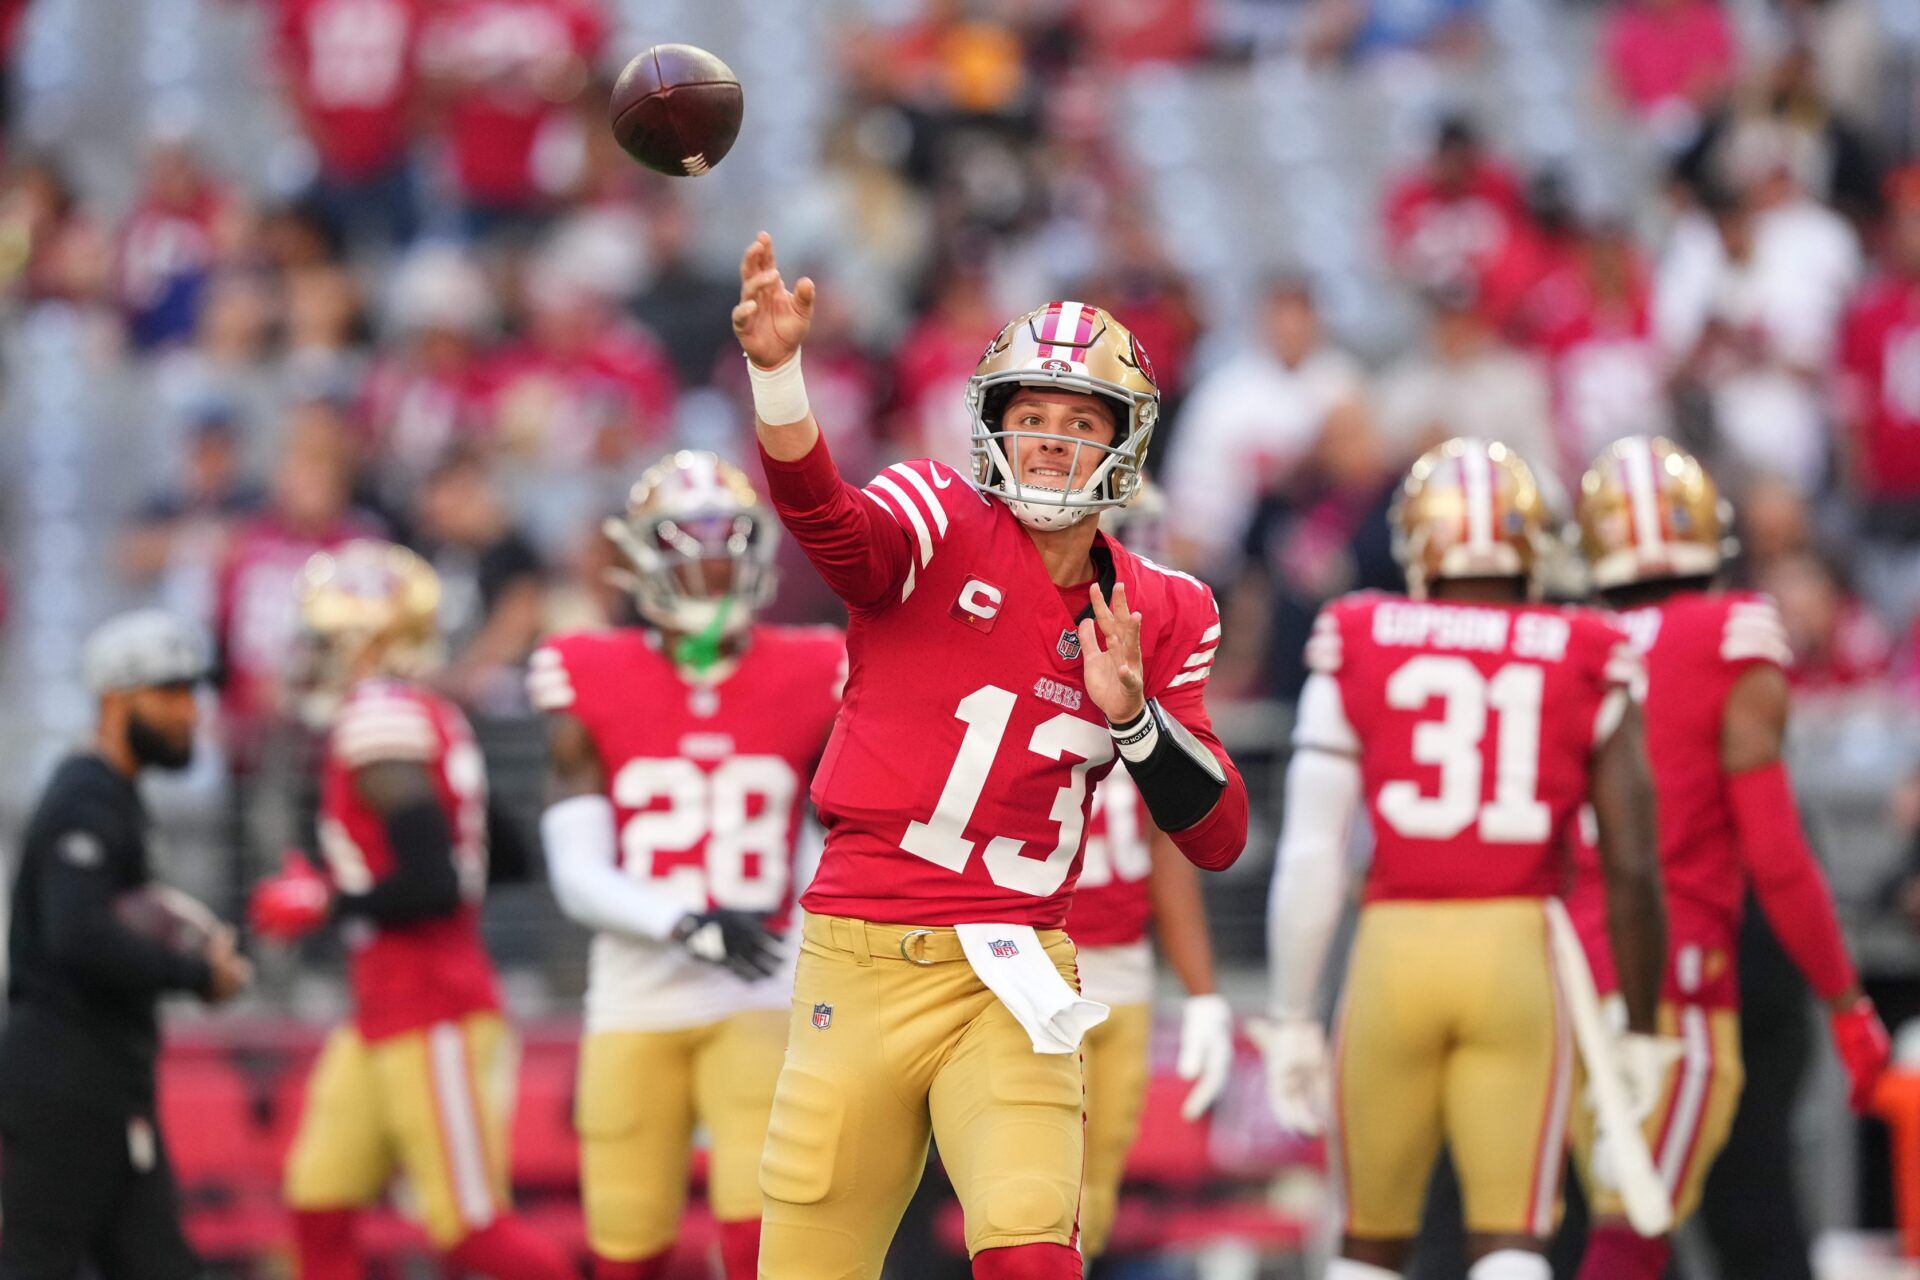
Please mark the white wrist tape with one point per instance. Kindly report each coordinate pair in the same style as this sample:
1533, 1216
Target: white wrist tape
779, 395
1137, 738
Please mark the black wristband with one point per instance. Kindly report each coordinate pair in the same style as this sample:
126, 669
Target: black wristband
1177, 785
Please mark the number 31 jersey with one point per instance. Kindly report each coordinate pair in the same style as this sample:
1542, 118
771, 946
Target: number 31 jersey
957, 784
708, 789
1475, 726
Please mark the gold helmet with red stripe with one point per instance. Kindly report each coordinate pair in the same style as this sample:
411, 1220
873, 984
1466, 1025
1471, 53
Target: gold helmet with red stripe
1065, 346
1468, 509
1648, 511
367, 608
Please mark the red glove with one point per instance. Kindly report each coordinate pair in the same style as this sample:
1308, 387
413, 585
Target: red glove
291, 904
1861, 1038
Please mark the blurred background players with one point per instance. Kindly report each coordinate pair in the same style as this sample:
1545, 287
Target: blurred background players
416, 1082
1473, 725
680, 753
1654, 530
87, 1181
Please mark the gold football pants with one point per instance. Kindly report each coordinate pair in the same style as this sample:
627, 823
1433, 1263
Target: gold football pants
641, 1093
893, 1039
1687, 1129
1451, 1031
1114, 1058
433, 1104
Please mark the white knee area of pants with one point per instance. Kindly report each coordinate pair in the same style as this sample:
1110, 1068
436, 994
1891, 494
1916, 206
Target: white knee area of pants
1348, 1269
1511, 1264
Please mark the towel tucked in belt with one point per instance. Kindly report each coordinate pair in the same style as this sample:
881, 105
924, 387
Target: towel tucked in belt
1016, 968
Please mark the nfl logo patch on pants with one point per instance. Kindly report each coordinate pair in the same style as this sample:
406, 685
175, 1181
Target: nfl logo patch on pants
822, 1016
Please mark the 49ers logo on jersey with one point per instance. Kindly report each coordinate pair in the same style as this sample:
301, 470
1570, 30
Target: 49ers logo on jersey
978, 605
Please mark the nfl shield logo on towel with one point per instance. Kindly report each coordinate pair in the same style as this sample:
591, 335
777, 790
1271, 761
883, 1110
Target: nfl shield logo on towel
822, 1016
1003, 948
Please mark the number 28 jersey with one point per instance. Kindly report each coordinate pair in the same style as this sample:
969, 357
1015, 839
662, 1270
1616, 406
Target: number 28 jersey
1475, 726
957, 783
708, 786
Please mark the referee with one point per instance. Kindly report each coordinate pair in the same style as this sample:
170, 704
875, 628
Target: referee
83, 1173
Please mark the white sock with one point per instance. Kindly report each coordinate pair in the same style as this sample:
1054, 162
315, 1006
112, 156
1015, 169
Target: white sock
1511, 1264
1348, 1269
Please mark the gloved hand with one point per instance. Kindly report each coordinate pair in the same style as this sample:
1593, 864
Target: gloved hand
292, 902
738, 941
1206, 1051
1295, 1053
1644, 1063
1861, 1038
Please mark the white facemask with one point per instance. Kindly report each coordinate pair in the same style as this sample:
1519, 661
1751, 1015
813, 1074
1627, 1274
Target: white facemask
1049, 517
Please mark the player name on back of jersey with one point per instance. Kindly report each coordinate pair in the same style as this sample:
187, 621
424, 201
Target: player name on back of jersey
1425, 625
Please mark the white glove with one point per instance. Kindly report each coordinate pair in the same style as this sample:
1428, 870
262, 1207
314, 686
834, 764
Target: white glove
1206, 1051
1295, 1050
1644, 1063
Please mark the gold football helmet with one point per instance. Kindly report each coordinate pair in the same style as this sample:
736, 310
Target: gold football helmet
1069, 346
1469, 509
1649, 510
700, 543
367, 608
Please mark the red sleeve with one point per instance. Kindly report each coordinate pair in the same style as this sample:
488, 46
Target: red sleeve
1217, 840
857, 546
1787, 880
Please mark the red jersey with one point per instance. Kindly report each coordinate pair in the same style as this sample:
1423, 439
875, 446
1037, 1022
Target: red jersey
1880, 359
350, 67
415, 414
707, 781
1439, 235
572, 409
1471, 785
409, 976
957, 783
1112, 905
1696, 645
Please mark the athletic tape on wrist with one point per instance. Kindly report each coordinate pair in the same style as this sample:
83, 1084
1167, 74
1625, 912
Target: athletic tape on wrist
779, 395
1137, 738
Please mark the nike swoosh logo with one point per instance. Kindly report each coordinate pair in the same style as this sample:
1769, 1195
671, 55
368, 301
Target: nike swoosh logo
940, 479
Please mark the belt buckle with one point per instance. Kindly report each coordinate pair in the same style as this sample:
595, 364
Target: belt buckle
909, 936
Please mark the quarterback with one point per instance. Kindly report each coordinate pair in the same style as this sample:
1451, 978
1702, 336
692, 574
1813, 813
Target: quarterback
420, 1080
1652, 526
1474, 725
1003, 652
679, 751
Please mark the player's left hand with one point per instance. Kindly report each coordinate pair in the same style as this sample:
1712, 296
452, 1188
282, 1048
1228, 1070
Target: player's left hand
291, 903
1295, 1050
1645, 1062
1861, 1038
1206, 1051
1110, 657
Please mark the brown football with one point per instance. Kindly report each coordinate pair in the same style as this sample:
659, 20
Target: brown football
676, 109
166, 916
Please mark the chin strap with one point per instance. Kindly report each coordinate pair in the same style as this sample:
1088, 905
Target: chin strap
701, 650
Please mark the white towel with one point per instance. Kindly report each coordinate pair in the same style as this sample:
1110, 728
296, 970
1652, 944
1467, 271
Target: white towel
1016, 968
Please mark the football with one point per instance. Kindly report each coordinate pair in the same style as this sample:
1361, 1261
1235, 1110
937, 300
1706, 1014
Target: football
167, 916
676, 109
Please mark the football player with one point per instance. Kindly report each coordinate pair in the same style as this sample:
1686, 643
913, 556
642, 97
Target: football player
1004, 652
1654, 530
1132, 877
679, 751
1473, 724
420, 1080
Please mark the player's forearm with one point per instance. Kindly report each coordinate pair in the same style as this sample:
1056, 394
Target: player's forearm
85, 938
582, 867
1637, 931
1216, 841
1787, 880
1310, 876
857, 548
1180, 916
783, 420
423, 884
1621, 789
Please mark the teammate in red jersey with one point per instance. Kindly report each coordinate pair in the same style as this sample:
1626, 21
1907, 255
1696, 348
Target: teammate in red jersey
1716, 706
414, 1083
679, 752
1132, 880
1474, 725
1003, 652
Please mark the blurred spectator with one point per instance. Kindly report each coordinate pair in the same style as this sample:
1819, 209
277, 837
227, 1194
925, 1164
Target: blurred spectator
433, 388
181, 224
257, 618
1465, 381
1360, 29
1747, 305
1248, 424
1669, 62
1838, 644
505, 75
351, 76
1142, 31
932, 363
178, 539
1850, 42
230, 364
684, 303
324, 326
50, 248
1453, 216
1774, 524
1549, 241
491, 581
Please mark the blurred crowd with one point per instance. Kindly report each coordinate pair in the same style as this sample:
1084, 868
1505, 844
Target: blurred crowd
479, 320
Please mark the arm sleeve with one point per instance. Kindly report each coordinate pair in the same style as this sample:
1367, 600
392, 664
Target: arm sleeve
85, 937
1787, 880
423, 884
1216, 841
858, 544
582, 867
1310, 874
